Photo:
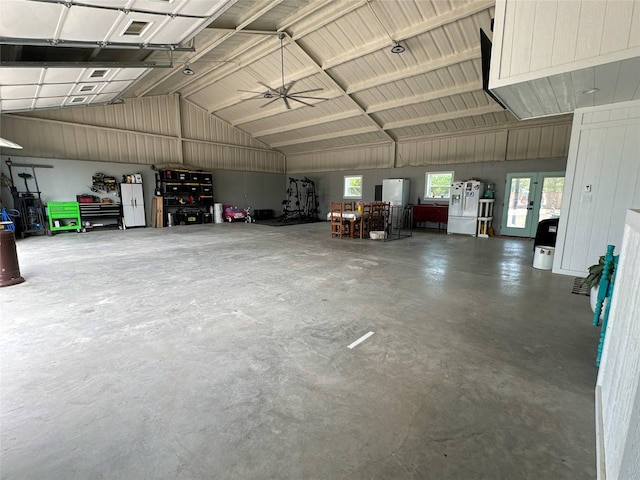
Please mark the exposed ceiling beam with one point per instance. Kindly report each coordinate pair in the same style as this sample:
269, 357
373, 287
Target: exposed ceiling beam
251, 17
421, 28
425, 97
308, 123
472, 112
339, 87
230, 102
465, 56
327, 136
338, 11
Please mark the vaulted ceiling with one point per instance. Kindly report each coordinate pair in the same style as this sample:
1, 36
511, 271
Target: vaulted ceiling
339, 52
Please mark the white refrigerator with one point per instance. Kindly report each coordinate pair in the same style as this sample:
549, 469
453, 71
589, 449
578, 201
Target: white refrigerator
395, 191
464, 201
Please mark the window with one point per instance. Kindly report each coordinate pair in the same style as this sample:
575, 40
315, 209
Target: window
437, 184
353, 186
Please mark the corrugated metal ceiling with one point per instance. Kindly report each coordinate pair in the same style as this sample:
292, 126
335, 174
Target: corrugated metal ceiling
341, 50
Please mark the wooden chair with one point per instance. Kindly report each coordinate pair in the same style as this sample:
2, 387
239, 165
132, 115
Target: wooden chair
337, 222
379, 215
348, 206
363, 224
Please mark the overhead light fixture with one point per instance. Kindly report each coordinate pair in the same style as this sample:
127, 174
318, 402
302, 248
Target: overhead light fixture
9, 144
591, 90
397, 48
187, 70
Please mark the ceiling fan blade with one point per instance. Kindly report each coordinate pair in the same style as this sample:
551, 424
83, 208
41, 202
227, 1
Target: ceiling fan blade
286, 102
295, 95
288, 87
274, 99
269, 88
300, 101
250, 91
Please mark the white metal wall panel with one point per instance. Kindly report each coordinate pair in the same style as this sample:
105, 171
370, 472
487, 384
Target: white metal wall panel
198, 124
225, 157
539, 142
157, 115
484, 147
44, 138
351, 141
360, 157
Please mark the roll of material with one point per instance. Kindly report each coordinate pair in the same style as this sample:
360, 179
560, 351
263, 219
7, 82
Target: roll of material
217, 212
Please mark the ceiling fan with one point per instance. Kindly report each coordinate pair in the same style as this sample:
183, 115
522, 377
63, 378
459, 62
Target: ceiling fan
284, 92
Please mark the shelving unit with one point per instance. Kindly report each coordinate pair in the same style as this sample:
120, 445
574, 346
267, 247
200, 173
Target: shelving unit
187, 195
64, 216
485, 216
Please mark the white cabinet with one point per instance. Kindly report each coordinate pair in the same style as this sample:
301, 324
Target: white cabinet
132, 204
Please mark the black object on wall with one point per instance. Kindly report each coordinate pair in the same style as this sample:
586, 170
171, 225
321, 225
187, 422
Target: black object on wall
485, 52
378, 193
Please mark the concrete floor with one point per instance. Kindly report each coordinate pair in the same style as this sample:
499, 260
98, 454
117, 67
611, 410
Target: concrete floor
220, 351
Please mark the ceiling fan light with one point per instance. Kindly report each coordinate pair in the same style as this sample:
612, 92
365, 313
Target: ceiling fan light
397, 48
590, 91
187, 70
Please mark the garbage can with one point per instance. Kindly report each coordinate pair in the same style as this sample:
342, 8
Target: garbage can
546, 232
217, 213
9, 268
543, 257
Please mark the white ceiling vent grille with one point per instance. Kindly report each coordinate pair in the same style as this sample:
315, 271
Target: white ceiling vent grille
98, 73
87, 88
79, 100
136, 28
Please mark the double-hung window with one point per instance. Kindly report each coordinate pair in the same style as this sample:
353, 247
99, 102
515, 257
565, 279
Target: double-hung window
437, 185
352, 186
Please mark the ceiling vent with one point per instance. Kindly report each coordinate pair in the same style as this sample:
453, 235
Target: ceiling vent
79, 100
87, 88
98, 73
136, 28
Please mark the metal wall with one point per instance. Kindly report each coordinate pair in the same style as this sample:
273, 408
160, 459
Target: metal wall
212, 143
515, 142
357, 157
149, 130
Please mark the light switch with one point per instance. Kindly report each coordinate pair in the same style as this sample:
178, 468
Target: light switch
587, 188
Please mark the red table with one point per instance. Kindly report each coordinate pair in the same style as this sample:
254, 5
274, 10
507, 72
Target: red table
435, 213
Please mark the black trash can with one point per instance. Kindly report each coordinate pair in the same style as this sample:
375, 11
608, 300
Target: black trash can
546, 233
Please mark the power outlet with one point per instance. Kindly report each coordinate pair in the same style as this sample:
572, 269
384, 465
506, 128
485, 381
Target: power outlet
585, 198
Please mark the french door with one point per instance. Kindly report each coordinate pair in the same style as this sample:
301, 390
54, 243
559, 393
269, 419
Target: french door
530, 198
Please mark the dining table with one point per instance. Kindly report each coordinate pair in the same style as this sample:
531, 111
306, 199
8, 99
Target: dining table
351, 216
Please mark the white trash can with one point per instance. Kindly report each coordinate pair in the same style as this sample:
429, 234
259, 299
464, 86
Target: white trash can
217, 212
543, 257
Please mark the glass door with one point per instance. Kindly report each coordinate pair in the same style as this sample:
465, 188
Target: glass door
529, 198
